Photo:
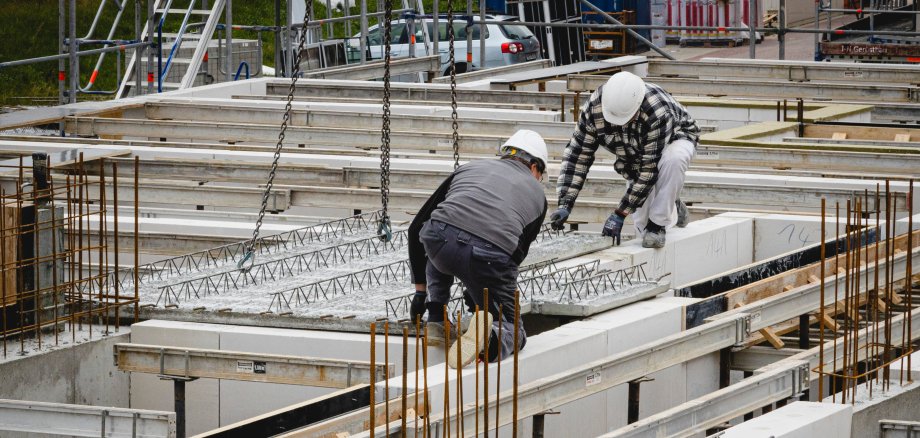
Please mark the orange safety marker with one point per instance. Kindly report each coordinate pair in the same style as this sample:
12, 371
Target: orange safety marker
92, 79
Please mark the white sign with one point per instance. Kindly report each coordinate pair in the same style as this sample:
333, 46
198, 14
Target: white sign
707, 155
593, 379
244, 366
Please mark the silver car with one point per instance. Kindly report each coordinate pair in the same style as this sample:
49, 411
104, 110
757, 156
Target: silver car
506, 44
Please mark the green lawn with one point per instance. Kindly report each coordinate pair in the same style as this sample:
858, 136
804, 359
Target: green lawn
29, 28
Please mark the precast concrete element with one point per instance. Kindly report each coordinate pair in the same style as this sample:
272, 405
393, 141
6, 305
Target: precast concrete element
426, 64
764, 89
799, 419
898, 402
85, 421
193, 363
798, 71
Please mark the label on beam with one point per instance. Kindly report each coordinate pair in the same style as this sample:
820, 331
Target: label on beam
593, 379
258, 367
707, 155
247, 366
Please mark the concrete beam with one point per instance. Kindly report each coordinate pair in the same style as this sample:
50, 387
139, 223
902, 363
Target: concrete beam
761, 89
272, 113
85, 421
260, 133
487, 73
249, 367
800, 71
374, 70
553, 101
598, 376
725, 404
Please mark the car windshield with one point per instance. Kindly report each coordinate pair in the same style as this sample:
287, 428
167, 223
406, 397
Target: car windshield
459, 30
516, 31
375, 36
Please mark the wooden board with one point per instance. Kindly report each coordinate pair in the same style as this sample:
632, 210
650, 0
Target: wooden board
10, 254
859, 132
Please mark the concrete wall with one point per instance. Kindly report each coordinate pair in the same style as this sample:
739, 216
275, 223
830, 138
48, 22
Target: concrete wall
898, 403
798, 420
80, 374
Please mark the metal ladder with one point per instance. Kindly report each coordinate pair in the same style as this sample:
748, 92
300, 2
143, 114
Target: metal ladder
174, 50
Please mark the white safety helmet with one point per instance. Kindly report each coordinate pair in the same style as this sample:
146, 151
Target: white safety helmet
527, 141
622, 96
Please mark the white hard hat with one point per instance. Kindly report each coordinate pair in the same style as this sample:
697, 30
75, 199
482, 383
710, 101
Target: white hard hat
530, 142
622, 96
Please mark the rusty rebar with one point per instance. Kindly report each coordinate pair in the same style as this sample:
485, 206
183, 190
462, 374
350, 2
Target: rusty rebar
498, 369
485, 367
514, 384
405, 383
418, 323
821, 310
446, 374
386, 381
137, 256
476, 361
460, 429
115, 252
427, 424
373, 385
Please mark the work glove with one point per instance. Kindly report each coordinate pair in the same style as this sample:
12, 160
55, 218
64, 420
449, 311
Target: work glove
558, 218
417, 307
613, 227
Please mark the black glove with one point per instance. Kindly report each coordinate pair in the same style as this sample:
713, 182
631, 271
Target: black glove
558, 218
417, 307
613, 227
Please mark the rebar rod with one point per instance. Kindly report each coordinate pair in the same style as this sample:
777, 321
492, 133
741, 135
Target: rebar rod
373, 383
821, 306
386, 382
405, 384
487, 335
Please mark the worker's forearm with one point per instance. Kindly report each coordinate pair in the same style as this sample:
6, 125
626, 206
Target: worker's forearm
421, 287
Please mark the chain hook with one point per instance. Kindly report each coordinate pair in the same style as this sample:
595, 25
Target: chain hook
248, 260
384, 229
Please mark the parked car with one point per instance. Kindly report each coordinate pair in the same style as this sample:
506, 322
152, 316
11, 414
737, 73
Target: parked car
506, 44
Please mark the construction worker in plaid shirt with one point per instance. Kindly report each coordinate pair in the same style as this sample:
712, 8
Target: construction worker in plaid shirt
653, 138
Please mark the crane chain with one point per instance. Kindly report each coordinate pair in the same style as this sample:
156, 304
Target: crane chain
248, 259
453, 84
384, 228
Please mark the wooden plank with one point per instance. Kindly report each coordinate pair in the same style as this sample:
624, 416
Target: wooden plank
10, 254
902, 137
772, 338
839, 136
881, 133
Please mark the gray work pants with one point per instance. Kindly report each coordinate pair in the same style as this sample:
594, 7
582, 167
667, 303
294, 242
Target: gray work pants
479, 264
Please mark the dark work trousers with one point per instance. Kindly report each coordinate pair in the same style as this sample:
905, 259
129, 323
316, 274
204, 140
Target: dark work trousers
479, 264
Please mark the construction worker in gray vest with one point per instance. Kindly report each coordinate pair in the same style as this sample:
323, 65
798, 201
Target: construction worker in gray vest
653, 138
477, 228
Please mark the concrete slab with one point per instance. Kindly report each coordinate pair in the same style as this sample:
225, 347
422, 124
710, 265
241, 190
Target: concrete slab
798, 420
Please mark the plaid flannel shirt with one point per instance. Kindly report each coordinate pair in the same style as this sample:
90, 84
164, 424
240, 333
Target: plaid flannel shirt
637, 145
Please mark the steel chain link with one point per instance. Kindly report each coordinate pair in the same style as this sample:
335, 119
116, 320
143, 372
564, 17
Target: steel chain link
248, 259
453, 84
384, 229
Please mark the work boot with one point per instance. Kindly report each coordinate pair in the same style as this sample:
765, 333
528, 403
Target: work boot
436, 331
683, 215
653, 239
465, 347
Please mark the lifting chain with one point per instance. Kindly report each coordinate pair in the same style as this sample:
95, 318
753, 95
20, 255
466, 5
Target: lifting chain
384, 228
248, 259
453, 83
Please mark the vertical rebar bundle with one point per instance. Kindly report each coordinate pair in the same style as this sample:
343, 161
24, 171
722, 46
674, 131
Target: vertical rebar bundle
56, 240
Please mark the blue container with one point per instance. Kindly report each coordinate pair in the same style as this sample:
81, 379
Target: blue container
496, 7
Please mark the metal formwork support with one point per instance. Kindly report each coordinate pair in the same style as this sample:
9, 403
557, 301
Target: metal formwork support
85, 421
785, 71
598, 376
712, 409
190, 363
374, 70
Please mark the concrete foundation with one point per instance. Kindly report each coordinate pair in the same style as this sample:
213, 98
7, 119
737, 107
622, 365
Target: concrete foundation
798, 420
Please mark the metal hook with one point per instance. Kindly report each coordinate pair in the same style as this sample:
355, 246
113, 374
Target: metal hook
248, 260
384, 229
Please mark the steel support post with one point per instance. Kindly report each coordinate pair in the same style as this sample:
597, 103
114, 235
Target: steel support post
469, 37
138, 51
539, 422
632, 414
436, 38
482, 33
72, 46
278, 67
781, 36
752, 14
550, 44
179, 402
363, 44
62, 29
149, 41
228, 15
289, 40
804, 324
